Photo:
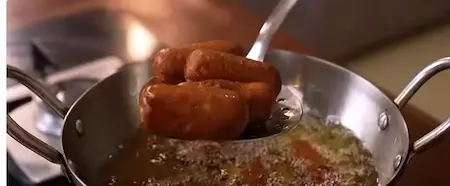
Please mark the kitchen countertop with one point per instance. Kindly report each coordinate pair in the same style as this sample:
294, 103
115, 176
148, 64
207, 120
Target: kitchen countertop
393, 66
427, 168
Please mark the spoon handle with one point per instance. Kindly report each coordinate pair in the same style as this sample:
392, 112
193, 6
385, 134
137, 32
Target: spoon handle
268, 30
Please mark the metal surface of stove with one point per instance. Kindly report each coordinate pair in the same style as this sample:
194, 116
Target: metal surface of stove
36, 168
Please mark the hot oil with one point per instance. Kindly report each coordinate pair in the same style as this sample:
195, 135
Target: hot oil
310, 154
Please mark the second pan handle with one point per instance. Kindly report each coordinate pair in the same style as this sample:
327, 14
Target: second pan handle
413, 86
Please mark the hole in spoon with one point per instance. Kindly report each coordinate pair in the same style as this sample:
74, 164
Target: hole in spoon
285, 109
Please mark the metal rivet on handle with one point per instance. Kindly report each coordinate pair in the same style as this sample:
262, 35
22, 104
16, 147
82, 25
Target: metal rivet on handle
383, 121
397, 161
79, 127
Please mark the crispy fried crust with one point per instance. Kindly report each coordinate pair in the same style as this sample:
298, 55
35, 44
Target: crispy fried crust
258, 95
193, 112
168, 64
205, 64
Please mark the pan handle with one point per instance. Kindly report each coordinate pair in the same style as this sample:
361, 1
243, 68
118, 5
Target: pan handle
21, 135
403, 98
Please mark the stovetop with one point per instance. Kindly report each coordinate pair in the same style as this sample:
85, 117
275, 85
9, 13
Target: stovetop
68, 41
33, 168
56, 50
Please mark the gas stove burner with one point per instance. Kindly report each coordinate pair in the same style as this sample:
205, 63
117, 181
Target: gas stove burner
67, 91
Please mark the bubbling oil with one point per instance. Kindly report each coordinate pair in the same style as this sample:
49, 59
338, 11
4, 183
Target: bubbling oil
312, 154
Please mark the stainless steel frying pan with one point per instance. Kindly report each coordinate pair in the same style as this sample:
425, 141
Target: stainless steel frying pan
108, 113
